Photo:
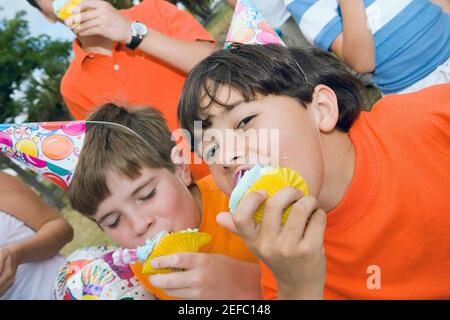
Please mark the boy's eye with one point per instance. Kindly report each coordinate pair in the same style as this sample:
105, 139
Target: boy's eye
148, 196
115, 223
211, 152
241, 124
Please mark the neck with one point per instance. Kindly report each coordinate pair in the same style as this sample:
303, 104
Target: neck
339, 161
96, 44
196, 194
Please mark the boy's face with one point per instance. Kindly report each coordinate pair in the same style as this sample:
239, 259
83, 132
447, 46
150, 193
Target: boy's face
295, 143
137, 210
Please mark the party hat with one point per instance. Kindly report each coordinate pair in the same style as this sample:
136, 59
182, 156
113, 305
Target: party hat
51, 149
249, 27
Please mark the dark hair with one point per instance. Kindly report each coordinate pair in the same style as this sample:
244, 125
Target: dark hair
113, 148
266, 70
35, 4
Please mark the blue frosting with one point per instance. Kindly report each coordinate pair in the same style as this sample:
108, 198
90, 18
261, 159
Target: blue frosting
245, 183
144, 251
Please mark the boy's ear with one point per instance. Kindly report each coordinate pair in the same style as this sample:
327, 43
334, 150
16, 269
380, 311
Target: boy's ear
182, 170
325, 108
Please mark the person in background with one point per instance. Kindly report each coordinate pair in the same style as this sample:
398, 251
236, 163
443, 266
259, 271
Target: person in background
403, 44
112, 66
31, 235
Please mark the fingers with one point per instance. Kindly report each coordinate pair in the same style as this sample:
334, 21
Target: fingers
226, 220
85, 17
174, 280
294, 228
273, 213
2, 262
83, 28
315, 230
85, 31
181, 260
7, 276
90, 4
184, 293
243, 215
83, 21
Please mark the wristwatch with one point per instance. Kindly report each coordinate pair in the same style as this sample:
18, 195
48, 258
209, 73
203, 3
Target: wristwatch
138, 32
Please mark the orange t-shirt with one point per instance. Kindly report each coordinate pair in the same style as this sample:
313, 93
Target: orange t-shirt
132, 78
222, 241
388, 238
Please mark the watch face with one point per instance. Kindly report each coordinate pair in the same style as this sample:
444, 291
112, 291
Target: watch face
139, 29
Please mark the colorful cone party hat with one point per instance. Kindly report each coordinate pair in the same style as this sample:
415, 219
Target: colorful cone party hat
249, 27
51, 149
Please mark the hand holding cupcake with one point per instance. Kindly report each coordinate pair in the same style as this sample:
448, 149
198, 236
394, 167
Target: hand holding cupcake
269, 179
164, 243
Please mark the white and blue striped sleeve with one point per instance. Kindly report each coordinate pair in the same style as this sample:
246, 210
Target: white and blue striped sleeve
319, 20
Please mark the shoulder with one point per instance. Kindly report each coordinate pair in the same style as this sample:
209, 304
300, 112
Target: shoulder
213, 200
209, 189
416, 107
422, 117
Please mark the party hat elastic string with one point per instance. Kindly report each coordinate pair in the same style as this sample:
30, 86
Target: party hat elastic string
50, 149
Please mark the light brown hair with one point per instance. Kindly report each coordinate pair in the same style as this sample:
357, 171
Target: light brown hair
108, 147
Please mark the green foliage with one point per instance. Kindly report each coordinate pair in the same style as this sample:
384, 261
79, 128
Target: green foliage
43, 100
34, 66
199, 8
19, 56
121, 4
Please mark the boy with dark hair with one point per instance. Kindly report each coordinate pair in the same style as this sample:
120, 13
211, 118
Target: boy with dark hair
386, 206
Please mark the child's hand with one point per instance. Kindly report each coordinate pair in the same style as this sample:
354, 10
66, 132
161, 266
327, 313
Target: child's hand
294, 252
8, 269
99, 18
207, 276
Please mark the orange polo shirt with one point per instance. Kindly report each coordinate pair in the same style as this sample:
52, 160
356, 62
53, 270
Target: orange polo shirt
222, 242
133, 78
388, 238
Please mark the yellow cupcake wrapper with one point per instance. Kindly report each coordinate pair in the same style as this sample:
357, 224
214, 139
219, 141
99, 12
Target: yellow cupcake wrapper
272, 182
173, 243
66, 11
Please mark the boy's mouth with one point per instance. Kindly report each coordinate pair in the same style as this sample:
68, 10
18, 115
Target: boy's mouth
238, 174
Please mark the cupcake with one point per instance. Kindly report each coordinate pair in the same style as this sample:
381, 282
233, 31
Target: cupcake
164, 243
189, 240
63, 8
269, 179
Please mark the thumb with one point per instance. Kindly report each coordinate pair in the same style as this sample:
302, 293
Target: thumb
225, 220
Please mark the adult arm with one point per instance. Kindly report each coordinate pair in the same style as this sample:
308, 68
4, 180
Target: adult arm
52, 231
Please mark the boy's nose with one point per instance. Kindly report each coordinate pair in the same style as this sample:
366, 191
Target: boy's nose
141, 223
231, 162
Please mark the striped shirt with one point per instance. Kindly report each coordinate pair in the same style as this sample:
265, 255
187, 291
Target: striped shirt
412, 37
